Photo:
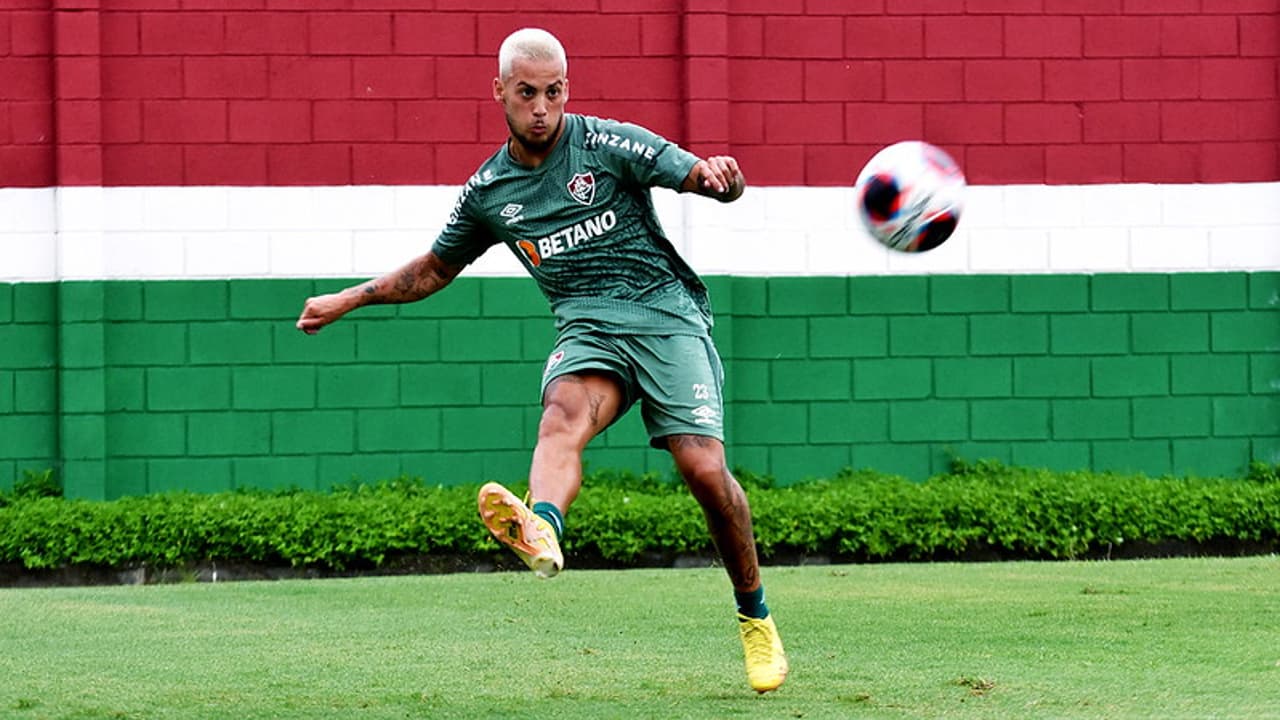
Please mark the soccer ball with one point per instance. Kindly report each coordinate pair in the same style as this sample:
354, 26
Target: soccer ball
910, 195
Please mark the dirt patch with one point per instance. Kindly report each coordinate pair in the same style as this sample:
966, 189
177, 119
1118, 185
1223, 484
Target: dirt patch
977, 686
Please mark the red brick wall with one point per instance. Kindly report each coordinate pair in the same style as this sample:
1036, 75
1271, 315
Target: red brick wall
251, 92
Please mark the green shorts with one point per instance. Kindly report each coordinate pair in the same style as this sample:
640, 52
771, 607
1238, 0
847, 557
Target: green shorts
677, 378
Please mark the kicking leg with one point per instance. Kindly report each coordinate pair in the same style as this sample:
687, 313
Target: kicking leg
575, 409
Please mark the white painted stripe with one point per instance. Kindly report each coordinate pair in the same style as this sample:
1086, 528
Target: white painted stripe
358, 231
27, 234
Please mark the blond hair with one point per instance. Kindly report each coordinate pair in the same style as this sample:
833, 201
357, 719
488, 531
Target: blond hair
529, 44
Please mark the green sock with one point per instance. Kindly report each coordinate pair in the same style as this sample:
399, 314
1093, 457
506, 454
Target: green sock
551, 514
751, 603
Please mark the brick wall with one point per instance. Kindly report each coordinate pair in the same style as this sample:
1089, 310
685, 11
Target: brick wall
335, 92
28, 381
201, 385
1154, 372
145, 332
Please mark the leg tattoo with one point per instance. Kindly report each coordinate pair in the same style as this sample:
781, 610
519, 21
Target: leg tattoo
726, 510
595, 399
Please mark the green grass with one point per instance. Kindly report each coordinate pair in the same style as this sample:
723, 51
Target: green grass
1186, 638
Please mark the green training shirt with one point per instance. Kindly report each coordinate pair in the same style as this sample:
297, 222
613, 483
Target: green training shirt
583, 224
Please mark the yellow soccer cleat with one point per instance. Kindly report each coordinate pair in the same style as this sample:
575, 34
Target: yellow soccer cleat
515, 525
766, 660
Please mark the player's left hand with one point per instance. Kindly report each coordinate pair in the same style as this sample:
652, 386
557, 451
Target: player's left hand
718, 176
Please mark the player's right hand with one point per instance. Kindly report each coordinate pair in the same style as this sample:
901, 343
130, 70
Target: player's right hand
319, 311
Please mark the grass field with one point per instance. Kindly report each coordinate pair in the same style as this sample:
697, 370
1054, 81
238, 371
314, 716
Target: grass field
1184, 638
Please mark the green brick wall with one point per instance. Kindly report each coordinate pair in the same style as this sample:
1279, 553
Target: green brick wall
29, 421
132, 387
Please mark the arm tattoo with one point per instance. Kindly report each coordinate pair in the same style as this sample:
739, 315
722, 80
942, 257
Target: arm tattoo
418, 278
407, 280
368, 288
439, 278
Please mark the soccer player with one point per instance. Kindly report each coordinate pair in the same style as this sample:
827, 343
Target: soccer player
570, 196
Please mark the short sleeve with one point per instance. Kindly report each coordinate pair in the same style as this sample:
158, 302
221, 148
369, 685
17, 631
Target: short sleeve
464, 239
642, 155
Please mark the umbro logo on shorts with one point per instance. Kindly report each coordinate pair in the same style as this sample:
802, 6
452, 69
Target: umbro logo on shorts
704, 415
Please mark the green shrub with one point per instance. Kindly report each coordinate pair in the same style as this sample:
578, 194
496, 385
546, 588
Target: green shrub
1264, 472
982, 510
34, 484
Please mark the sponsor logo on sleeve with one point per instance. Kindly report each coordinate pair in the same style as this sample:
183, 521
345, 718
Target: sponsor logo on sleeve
620, 145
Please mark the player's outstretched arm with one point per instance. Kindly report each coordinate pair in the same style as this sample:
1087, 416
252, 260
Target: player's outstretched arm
417, 279
716, 177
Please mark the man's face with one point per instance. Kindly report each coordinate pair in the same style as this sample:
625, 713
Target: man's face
533, 98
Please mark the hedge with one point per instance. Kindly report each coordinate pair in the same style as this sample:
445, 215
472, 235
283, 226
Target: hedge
975, 511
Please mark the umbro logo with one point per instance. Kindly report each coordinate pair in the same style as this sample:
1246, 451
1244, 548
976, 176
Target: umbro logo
512, 213
704, 415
